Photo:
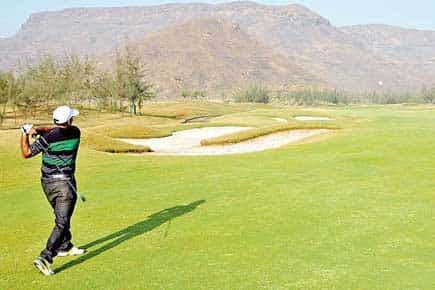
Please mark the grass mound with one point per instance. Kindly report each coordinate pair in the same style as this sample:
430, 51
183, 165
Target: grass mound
258, 132
184, 110
134, 130
106, 144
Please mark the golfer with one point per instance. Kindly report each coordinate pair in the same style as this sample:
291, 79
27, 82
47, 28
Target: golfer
59, 147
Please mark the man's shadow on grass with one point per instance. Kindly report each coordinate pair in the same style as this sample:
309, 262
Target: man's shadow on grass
150, 223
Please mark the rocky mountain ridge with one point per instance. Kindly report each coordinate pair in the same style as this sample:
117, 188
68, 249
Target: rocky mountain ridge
213, 54
357, 58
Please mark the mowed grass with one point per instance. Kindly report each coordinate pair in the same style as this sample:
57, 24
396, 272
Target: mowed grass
354, 210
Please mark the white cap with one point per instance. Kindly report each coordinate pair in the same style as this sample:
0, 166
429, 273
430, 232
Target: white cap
63, 114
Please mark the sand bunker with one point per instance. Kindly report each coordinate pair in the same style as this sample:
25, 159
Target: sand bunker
188, 142
310, 118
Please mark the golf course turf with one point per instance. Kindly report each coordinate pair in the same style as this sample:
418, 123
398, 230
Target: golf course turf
349, 210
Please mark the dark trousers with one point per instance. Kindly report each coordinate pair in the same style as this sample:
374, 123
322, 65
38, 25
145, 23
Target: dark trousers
62, 199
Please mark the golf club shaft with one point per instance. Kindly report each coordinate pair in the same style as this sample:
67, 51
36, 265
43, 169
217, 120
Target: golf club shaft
81, 196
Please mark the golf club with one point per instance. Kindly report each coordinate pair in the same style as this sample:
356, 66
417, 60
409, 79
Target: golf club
81, 196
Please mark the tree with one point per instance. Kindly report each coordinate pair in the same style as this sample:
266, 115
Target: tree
9, 92
129, 80
29, 95
199, 95
3, 96
185, 94
47, 78
431, 98
102, 90
77, 80
427, 95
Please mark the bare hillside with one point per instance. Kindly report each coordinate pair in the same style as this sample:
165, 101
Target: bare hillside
358, 58
214, 55
410, 46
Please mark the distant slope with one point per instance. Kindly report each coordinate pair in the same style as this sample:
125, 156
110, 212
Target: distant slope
324, 50
91, 31
214, 55
354, 58
410, 46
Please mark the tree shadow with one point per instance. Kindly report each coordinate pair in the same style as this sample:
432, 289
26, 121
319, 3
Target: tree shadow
147, 225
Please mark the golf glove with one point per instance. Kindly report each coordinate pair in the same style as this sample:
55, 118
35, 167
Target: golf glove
26, 128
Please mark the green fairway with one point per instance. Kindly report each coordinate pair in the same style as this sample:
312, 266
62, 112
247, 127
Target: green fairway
350, 210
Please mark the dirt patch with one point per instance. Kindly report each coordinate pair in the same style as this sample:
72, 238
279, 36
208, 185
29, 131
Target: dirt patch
188, 142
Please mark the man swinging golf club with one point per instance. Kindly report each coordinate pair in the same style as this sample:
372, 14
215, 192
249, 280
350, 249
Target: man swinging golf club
59, 147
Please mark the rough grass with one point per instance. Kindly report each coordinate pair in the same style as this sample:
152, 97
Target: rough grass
106, 144
133, 130
185, 110
162, 119
262, 131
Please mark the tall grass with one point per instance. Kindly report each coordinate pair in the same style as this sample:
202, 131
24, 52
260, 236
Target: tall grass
106, 144
258, 132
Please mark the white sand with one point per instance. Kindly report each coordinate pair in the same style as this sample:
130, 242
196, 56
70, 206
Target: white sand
310, 118
188, 142
181, 141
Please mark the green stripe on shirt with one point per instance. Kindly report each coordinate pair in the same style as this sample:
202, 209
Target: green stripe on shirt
56, 161
65, 145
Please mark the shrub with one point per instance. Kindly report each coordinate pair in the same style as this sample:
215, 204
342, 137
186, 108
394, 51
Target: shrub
185, 94
310, 96
253, 94
199, 95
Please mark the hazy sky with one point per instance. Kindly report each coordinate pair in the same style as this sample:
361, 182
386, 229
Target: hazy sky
406, 13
